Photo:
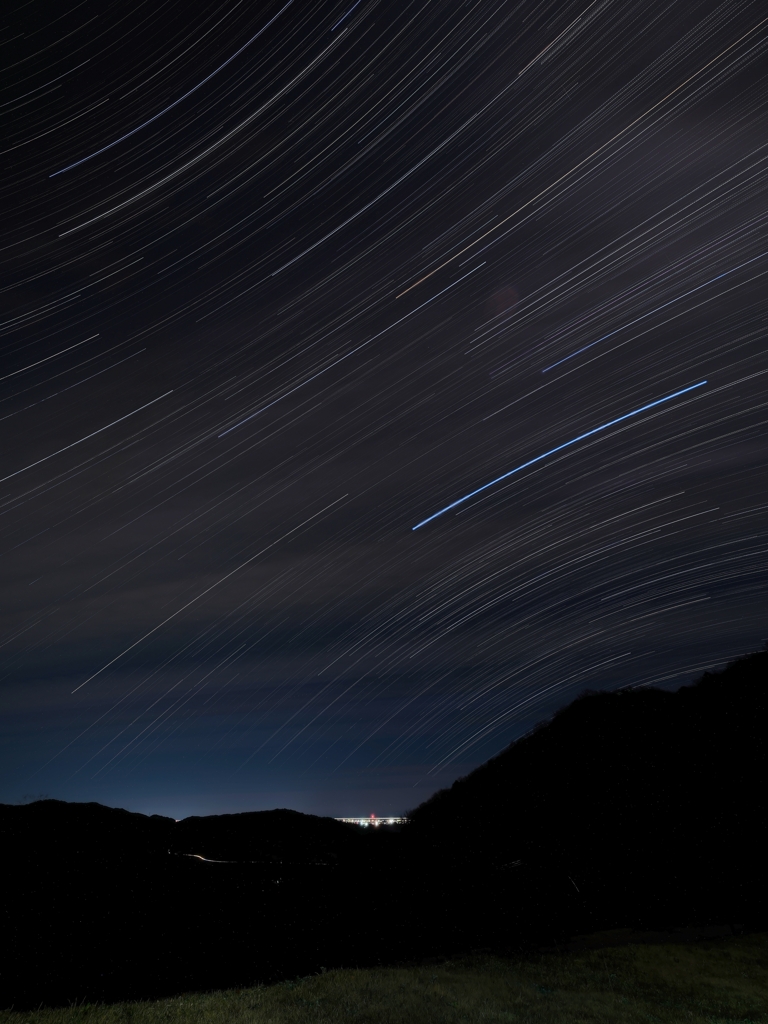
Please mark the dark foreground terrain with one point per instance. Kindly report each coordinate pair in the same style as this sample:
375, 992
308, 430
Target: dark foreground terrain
707, 983
638, 809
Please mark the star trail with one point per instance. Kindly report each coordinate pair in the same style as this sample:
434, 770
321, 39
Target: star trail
279, 281
559, 448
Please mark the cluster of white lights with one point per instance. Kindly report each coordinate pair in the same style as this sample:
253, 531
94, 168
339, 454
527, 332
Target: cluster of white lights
373, 820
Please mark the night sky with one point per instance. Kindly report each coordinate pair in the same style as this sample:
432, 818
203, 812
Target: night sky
282, 281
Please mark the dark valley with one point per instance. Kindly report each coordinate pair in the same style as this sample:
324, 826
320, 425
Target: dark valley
637, 809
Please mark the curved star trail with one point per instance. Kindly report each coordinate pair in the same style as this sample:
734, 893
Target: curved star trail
558, 448
175, 103
276, 281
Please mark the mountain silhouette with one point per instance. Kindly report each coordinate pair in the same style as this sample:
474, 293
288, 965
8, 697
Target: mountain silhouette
640, 808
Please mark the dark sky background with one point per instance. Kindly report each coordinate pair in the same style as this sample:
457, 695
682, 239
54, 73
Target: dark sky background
280, 282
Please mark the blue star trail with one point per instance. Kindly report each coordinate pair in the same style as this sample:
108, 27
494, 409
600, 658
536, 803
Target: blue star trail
559, 448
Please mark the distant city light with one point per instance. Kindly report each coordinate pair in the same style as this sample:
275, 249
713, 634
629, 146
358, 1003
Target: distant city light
373, 820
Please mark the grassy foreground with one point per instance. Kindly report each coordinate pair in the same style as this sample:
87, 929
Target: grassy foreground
707, 982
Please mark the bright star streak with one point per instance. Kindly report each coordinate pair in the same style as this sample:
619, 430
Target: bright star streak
559, 448
86, 438
345, 16
48, 358
207, 590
